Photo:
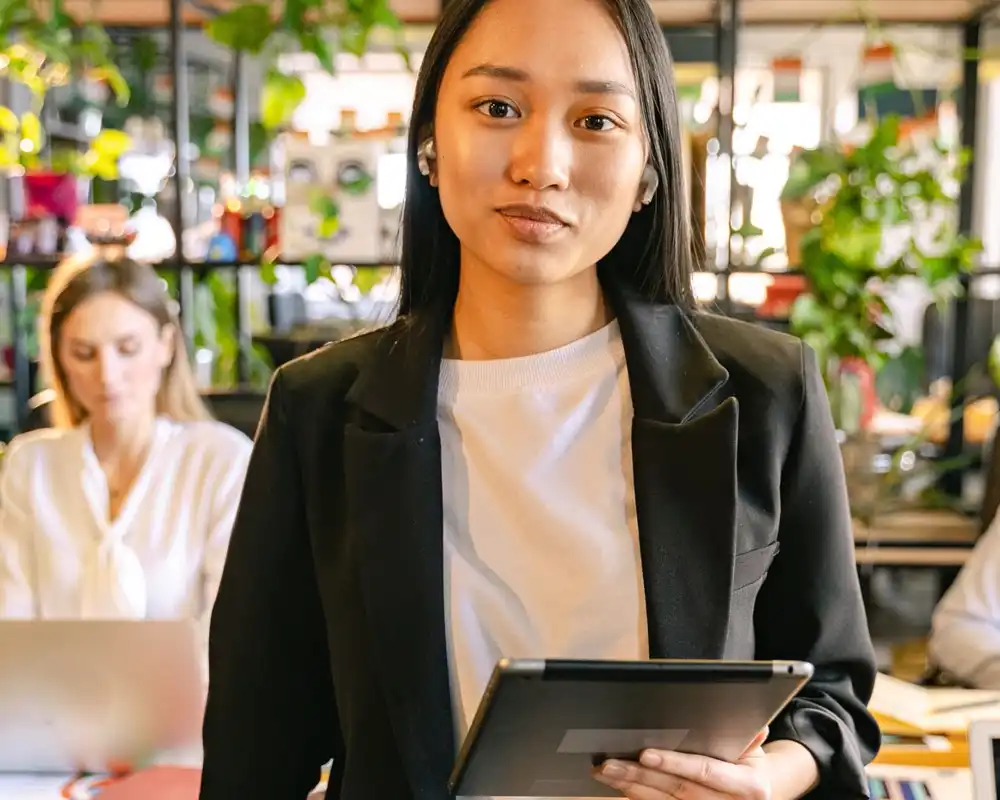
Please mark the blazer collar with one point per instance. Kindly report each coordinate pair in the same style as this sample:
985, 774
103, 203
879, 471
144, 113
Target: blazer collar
673, 374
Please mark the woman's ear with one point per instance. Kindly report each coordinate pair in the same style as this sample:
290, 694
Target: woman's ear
427, 160
648, 184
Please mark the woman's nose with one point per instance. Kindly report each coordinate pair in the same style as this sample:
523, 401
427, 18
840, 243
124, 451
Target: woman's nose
542, 155
110, 370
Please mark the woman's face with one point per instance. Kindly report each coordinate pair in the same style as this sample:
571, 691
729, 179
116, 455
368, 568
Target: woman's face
113, 354
539, 139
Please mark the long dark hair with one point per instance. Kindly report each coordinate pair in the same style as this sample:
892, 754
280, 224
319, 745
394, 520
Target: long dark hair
655, 255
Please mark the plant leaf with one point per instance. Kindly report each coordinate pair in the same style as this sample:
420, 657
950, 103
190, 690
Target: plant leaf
268, 273
313, 42
282, 94
111, 144
316, 266
354, 38
993, 361
31, 130
367, 278
8, 120
245, 28
382, 14
113, 77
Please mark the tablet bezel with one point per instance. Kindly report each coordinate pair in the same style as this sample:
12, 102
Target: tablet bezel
982, 764
653, 670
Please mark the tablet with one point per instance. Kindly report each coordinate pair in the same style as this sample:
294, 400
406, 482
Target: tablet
984, 758
543, 724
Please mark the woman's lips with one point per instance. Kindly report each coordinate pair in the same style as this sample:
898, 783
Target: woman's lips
531, 224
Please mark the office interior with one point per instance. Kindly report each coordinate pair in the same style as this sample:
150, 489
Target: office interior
272, 183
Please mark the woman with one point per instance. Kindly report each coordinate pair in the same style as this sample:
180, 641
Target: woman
124, 508
548, 454
965, 632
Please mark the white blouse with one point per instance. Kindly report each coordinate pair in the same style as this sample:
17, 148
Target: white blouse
965, 633
161, 558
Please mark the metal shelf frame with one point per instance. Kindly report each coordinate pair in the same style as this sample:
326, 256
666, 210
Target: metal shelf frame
728, 21
728, 25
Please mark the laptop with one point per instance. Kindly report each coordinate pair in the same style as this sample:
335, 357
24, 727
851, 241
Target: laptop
97, 696
984, 758
981, 781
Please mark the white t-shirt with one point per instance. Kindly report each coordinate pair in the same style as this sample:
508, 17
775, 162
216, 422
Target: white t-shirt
541, 543
161, 558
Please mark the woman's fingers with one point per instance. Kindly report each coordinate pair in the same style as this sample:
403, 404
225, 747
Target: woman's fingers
639, 782
668, 775
682, 776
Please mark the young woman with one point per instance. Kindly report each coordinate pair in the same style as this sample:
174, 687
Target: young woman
965, 632
123, 509
549, 454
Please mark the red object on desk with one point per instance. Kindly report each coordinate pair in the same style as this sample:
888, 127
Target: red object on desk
155, 783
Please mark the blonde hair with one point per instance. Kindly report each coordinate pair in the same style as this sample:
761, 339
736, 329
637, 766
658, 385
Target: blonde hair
79, 278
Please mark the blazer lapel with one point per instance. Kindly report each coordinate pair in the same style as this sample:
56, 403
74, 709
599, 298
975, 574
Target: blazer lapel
684, 456
684, 452
392, 455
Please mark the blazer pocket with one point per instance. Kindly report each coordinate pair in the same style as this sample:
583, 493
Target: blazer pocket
751, 567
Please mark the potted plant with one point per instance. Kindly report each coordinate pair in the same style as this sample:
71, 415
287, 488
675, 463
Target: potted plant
268, 29
41, 47
884, 210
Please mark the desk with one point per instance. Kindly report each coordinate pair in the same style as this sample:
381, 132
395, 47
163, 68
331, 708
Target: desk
931, 538
955, 757
943, 773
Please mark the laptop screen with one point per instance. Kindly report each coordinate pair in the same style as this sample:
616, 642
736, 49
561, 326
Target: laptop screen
996, 767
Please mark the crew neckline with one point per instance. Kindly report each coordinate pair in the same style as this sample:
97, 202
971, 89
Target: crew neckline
595, 352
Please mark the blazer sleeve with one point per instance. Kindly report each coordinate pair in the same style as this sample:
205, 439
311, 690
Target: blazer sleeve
965, 632
270, 722
810, 606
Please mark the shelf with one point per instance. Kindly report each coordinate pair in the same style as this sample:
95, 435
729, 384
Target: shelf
778, 12
156, 13
44, 262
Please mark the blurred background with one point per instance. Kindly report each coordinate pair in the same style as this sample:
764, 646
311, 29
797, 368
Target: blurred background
843, 165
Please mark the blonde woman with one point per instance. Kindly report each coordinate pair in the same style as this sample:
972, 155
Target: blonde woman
123, 509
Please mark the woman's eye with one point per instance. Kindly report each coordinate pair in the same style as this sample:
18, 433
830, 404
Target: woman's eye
597, 122
497, 109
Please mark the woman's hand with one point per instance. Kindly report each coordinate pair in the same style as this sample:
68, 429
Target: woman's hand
663, 775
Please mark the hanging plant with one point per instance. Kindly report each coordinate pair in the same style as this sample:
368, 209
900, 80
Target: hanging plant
41, 47
255, 28
860, 194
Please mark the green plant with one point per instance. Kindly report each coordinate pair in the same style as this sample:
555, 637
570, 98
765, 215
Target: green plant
887, 184
254, 27
216, 330
42, 46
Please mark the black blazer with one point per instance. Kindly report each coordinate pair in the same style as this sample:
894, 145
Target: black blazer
328, 635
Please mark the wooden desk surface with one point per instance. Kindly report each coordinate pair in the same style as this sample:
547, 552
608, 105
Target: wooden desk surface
918, 527
912, 556
956, 756
931, 538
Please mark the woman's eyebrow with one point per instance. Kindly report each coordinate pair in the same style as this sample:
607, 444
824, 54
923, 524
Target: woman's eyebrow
582, 86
